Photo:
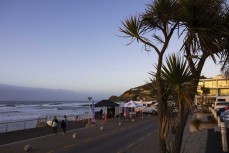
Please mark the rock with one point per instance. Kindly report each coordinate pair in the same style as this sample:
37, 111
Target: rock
28, 148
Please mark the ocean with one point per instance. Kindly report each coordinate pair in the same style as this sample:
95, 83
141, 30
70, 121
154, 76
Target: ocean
25, 110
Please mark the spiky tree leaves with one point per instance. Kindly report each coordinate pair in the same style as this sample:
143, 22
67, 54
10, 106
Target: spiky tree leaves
178, 75
144, 28
224, 60
132, 28
169, 118
201, 23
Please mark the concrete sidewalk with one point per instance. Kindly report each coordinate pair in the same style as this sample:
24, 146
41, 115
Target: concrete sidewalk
205, 141
192, 143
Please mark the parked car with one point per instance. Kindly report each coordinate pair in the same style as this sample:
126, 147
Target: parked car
221, 116
220, 107
227, 107
150, 108
226, 118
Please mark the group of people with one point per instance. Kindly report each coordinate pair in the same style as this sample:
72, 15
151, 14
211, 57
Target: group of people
55, 124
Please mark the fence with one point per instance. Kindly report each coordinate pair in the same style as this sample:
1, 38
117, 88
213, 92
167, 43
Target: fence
35, 123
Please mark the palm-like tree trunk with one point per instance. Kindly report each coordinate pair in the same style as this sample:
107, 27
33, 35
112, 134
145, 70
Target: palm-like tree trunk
160, 107
180, 131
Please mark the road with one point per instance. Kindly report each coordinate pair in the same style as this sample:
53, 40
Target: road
138, 136
123, 140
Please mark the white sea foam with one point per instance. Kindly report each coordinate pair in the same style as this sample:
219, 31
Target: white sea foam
14, 111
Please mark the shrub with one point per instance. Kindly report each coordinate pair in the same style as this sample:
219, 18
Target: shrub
196, 122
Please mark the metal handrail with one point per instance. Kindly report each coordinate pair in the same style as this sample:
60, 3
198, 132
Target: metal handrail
35, 123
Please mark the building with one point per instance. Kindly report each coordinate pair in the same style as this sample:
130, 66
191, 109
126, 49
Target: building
218, 87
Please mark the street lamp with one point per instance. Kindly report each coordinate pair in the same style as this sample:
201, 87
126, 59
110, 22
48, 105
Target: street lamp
89, 98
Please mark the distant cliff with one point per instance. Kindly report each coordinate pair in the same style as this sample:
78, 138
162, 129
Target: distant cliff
143, 92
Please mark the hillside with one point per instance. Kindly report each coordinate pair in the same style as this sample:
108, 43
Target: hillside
141, 92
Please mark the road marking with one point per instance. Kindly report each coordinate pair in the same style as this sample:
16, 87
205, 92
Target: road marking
129, 146
69, 146
149, 134
95, 137
141, 139
89, 139
103, 135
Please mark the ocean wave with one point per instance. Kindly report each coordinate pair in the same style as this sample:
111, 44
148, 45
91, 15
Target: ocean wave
44, 110
27, 110
10, 105
9, 112
76, 104
23, 105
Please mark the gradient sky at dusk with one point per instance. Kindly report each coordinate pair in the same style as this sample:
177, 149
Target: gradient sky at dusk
74, 45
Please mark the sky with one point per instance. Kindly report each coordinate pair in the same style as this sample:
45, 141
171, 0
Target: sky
74, 45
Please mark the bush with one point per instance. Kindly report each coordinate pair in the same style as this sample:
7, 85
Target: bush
196, 122
211, 119
206, 110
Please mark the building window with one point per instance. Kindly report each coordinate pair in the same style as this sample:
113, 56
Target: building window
223, 83
210, 84
223, 92
212, 92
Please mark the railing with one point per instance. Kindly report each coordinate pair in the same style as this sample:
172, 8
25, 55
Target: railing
35, 123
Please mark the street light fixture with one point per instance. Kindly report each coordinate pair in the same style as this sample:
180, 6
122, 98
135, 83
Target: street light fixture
89, 98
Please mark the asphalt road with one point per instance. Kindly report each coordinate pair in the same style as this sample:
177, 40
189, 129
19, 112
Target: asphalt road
113, 139
120, 141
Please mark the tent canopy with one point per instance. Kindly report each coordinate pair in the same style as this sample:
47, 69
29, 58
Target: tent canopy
106, 103
132, 104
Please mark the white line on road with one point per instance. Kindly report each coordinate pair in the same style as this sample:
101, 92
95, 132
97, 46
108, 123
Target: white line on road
69, 146
129, 146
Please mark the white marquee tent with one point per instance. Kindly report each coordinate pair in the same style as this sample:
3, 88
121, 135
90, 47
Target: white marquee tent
132, 104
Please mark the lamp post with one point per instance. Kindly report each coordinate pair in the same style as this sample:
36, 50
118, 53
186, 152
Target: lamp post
89, 98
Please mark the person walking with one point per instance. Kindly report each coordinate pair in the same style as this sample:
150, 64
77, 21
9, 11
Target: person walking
101, 113
54, 124
64, 124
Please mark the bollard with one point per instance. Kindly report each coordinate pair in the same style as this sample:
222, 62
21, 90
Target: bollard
218, 119
28, 148
101, 128
224, 137
215, 115
106, 118
74, 135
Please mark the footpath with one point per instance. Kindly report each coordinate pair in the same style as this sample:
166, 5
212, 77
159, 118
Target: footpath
206, 141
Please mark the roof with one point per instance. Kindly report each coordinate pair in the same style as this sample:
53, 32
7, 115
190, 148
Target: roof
106, 103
